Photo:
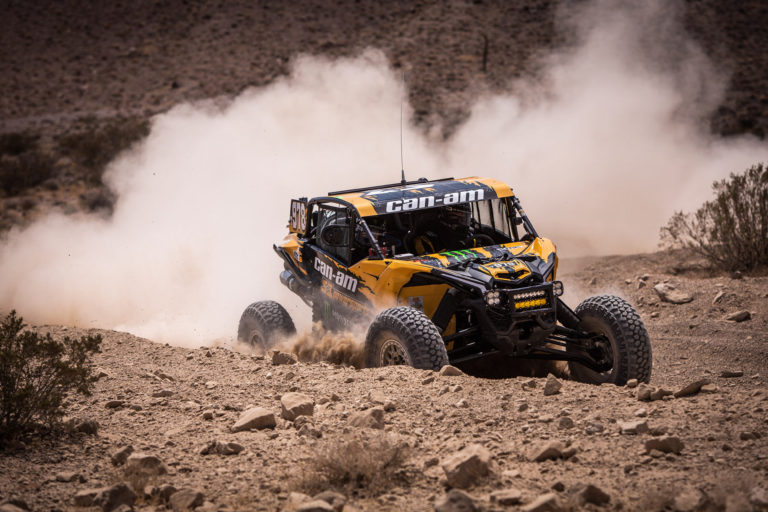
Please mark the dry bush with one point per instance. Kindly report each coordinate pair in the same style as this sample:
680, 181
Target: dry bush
730, 231
354, 464
22, 164
36, 372
98, 143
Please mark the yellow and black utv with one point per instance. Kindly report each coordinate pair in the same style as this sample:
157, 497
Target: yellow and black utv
446, 271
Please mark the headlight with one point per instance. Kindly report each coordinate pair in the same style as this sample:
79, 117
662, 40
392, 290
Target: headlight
493, 298
558, 288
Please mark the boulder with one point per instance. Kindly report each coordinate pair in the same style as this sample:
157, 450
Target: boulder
594, 495
467, 466
665, 444
295, 405
546, 450
107, 498
455, 501
552, 386
450, 371
185, 499
668, 293
255, 418
145, 464
633, 427
369, 418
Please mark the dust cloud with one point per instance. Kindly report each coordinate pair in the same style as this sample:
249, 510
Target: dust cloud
602, 147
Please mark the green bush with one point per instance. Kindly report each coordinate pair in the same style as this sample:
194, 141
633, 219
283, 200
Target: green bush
730, 231
36, 373
98, 144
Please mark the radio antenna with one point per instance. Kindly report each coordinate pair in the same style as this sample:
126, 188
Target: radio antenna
402, 165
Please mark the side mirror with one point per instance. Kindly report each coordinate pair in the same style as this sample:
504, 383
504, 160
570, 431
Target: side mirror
335, 236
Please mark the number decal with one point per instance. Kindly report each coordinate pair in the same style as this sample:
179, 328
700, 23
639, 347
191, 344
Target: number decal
298, 222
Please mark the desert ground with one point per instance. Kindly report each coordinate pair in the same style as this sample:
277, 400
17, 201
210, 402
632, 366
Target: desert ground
225, 428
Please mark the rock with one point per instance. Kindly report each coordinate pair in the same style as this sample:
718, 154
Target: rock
464, 468
162, 393
279, 358
120, 456
315, 506
10, 507
565, 422
145, 464
334, 499
688, 500
455, 501
89, 427
594, 428
665, 444
758, 497
295, 499
641, 413
718, 297
544, 503
643, 393
162, 492
255, 418
632, 383
114, 404
450, 371
545, 451
726, 374
185, 499
558, 486
108, 498
295, 405
428, 380
692, 388
377, 397
633, 427
69, 476
507, 497
593, 494
369, 418
738, 316
660, 393
668, 293
709, 388
552, 386
208, 415
222, 448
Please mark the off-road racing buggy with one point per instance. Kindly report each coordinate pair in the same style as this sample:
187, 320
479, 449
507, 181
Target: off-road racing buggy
455, 271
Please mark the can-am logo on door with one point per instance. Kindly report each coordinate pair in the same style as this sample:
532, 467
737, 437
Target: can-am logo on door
338, 277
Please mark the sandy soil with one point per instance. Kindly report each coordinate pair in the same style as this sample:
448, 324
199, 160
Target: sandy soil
164, 395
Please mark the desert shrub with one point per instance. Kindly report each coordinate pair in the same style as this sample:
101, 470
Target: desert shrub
17, 143
36, 373
730, 231
98, 144
27, 170
354, 463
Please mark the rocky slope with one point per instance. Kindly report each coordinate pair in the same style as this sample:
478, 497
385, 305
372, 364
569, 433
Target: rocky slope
403, 439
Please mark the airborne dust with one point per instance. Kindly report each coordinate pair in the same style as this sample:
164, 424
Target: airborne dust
601, 149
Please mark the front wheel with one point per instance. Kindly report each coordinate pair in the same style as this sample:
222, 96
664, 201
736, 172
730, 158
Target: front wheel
404, 335
263, 323
620, 339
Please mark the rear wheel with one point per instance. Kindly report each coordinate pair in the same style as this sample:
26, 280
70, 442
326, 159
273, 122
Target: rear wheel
404, 336
263, 323
619, 339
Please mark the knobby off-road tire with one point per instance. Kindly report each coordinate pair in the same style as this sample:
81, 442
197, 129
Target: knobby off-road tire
404, 335
617, 320
263, 323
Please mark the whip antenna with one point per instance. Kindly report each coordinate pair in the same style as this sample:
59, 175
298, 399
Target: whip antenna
402, 165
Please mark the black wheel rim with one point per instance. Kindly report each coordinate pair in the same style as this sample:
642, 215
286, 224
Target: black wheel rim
393, 353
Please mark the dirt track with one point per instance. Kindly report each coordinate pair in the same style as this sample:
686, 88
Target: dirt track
723, 461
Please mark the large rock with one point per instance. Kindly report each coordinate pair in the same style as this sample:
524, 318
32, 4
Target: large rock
369, 418
450, 371
455, 501
593, 494
121, 456
107, 498
739, 316
464, 468
255, 418
665, 444
185, 499
668, 293
295, 405
546, 450
145, 464
279, 358
633, 427
544, 503
552, 386
692, 388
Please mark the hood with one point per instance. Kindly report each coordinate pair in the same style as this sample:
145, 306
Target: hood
515, 264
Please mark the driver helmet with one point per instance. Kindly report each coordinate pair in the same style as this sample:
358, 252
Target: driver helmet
457, 215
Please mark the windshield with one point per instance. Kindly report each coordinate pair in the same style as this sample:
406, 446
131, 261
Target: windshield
449, 228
